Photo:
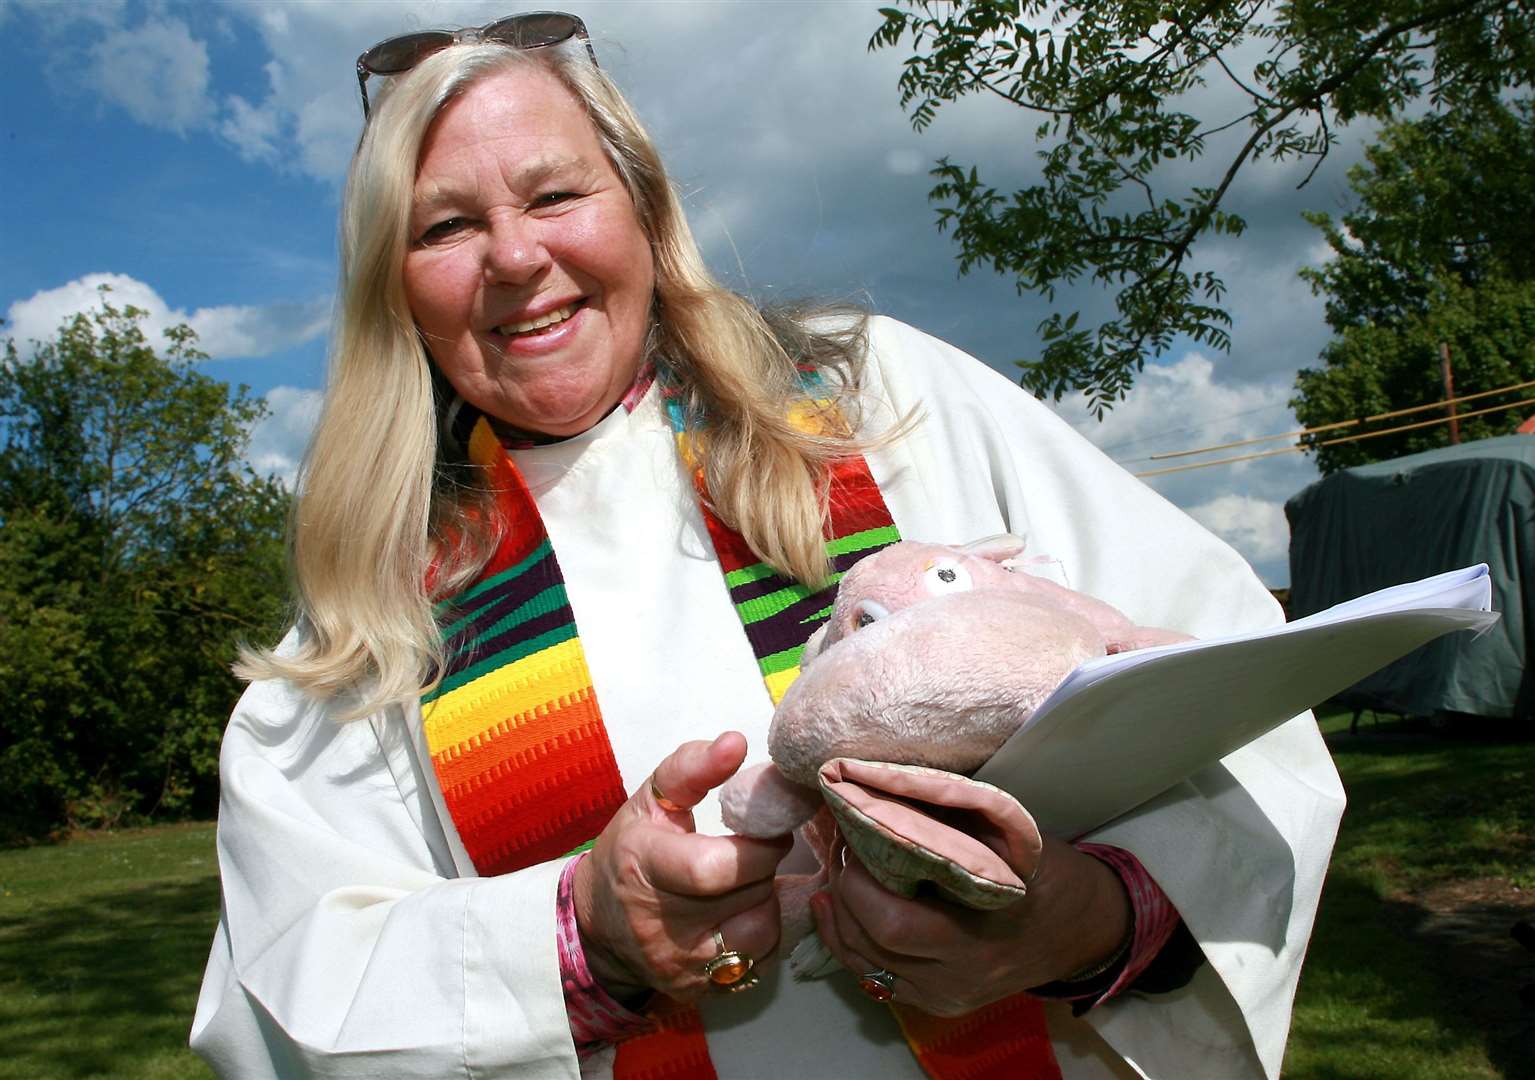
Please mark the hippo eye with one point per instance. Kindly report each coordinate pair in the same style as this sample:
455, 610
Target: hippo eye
946, 576
867, 612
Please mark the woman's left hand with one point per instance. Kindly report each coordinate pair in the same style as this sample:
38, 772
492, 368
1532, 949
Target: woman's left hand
949, 960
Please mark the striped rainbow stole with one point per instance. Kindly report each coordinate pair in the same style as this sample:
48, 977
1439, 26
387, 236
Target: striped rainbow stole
778, 613
513, 727
517, 742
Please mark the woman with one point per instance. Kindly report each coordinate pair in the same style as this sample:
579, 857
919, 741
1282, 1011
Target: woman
547, 432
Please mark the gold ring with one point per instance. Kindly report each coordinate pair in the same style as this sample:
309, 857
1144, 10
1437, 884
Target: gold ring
879, 984
663, 802
729, 969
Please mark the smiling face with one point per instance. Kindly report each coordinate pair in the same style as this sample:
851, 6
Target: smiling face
527, 271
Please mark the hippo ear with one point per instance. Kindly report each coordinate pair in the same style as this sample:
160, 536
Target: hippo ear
997, 548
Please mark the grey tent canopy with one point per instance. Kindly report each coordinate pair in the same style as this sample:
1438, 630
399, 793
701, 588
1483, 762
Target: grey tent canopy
1389, 522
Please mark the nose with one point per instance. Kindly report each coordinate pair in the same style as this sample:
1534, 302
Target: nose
515, 251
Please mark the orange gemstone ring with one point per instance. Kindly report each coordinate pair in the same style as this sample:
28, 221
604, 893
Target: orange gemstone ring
879, 984
729, 969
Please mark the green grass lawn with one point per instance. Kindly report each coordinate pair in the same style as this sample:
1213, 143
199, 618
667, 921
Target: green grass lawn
103, 939
1376, 1000
102, 945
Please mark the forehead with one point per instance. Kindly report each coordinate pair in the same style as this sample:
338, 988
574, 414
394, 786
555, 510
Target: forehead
522, 120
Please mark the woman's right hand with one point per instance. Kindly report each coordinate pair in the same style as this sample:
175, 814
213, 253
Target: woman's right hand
652, 892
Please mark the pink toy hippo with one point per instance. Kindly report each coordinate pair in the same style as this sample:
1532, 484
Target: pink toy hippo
932, 657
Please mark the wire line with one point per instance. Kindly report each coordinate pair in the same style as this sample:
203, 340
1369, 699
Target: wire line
1341, 423
1334, 442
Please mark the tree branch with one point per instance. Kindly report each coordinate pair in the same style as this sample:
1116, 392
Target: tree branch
1322, 154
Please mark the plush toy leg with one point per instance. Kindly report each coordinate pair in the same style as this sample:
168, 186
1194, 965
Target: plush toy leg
795, 890
810, 959
760, 802
794, 893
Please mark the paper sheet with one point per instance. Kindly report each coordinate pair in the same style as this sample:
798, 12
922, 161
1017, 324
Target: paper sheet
1122, 729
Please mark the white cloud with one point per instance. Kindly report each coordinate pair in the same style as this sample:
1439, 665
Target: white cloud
250, 330
763, 64
38, 317
325, 128
1193, 404
55, 16
277, 443
1255, 527
253, 131
1180, 406
1277, 322
224, 331
158, 72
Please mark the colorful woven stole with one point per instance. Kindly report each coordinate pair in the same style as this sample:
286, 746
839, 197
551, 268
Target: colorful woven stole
527, 774
513, 728
778, 613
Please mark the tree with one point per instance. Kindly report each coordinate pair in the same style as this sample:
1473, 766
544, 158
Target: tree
1374, 368
1110, 82
136, 547
1439, 251
1447, 195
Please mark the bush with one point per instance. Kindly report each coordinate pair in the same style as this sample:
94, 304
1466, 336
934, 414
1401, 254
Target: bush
136, 549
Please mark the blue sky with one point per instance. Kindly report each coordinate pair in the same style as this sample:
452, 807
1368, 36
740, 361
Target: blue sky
192, 153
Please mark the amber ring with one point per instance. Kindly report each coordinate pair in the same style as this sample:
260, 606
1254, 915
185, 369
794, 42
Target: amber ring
729, 969
663, 802
879, 984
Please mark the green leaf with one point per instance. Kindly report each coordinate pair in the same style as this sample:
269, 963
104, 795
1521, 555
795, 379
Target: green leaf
1101, 87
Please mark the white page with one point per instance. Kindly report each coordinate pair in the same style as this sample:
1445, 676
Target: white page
1122, 729
1470, 587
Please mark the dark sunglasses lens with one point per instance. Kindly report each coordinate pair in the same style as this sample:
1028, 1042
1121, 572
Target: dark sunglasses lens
533, 30
405, 52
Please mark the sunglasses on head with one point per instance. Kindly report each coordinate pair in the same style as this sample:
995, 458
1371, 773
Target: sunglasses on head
530, 30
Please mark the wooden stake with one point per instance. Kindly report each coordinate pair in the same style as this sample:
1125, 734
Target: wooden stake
1449, 391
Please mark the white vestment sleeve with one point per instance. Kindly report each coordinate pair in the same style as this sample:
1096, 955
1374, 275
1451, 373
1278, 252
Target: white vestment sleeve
347, 946
356, 942
1242, 847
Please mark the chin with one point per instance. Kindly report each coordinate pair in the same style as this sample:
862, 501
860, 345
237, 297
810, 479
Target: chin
573, 421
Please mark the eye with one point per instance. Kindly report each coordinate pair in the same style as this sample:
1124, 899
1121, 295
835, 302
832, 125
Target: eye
554, 198
442, 230
868, 612
946, 576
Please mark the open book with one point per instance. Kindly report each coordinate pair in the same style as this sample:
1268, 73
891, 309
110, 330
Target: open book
1122, 729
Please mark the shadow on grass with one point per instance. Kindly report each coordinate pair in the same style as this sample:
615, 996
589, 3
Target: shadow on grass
1434, 807
1379, 999
1412, 970
105, 981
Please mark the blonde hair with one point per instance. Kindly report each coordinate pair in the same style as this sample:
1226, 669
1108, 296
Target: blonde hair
377, 497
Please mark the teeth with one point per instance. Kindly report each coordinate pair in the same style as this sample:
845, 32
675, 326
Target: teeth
558, 315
